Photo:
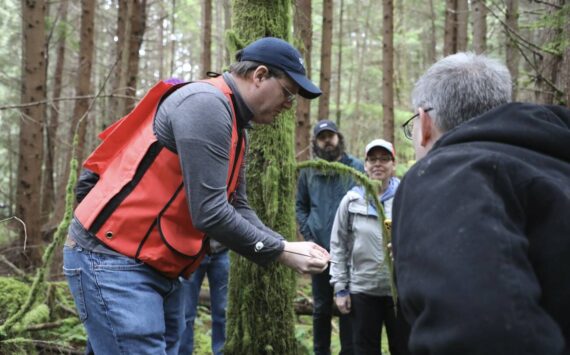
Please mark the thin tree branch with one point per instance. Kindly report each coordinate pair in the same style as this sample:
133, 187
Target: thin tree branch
43, 326
73, 98
537, 49
558, 7
23, 223
13, 267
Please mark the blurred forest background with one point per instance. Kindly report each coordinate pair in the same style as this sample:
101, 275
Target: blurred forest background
77, 66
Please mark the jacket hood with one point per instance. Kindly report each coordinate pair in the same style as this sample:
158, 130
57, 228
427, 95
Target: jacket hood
388, 194
544, 129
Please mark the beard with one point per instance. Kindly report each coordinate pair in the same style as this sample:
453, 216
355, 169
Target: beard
329, 152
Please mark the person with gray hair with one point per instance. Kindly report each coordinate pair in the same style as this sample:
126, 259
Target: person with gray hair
480, 227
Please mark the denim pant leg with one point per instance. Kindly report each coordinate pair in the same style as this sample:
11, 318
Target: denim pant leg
322, 313
126, 307
218, 281
191, 290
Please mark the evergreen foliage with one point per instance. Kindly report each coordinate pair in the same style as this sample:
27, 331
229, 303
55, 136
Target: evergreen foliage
260, 317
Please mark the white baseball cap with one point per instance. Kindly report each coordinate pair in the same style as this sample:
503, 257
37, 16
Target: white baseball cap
382, 144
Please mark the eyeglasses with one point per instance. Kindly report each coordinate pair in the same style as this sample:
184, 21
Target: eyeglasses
379, 159
289, 96
408, 126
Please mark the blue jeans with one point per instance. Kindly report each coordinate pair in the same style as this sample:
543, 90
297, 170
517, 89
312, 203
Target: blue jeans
322, 316
216, 267
125, 306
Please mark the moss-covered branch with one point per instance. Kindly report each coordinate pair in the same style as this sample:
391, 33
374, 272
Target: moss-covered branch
372, 189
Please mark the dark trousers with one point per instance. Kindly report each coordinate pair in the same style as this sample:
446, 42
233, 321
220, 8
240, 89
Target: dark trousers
368, 314
322, 316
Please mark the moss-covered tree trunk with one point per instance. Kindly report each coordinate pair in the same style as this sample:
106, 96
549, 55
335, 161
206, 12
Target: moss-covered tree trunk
260, 317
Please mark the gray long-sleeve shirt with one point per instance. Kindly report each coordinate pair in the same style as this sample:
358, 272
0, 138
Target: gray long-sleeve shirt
195, 121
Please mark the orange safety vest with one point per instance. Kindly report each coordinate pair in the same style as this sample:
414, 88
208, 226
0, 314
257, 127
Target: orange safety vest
138, 206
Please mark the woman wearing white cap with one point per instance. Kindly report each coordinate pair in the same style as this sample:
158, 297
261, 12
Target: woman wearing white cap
359, 274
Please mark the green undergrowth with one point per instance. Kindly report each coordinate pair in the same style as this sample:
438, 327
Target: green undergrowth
50, 326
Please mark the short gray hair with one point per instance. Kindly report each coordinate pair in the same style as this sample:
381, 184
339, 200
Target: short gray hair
460, 87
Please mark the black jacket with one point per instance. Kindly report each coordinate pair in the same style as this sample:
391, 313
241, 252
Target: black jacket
482, 236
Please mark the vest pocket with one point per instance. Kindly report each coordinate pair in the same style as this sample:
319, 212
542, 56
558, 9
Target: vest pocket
172, 245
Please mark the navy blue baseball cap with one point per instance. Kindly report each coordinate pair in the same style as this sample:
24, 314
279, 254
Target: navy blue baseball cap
277, 53
324, 125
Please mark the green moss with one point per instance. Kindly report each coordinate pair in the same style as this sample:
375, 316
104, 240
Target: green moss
260, 317
23, 308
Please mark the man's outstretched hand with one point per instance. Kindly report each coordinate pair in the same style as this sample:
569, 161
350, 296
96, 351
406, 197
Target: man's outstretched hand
305, 257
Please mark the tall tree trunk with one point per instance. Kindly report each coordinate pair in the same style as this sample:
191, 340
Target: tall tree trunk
124, 15
326, 47
137, 30
303, 32
206, 54
548, 90
388, 70
161, 46
361, 48
260, 317
462, 24
479, 26
227, 27
83, 83
450, 30
28, 206
431, 54
565, 75
219, 37
173, 41
512, 53
50, 190
339, 63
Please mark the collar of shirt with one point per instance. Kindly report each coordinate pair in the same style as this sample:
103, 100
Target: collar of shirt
243, 113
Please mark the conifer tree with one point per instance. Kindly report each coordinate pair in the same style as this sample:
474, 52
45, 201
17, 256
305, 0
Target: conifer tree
260, 316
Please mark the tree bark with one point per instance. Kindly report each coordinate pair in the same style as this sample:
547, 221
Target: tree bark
565, 75
260, 316
83, 83
28, 206
339, 64
388, 70
219, 37
361, 49
450, 30
303, 32
50, 190
206, 54
227, 27
326, 47
161, 45
138, 28
548, 87
124, 14
462, 24
479, 26
431, 54
512, 53
173, 41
